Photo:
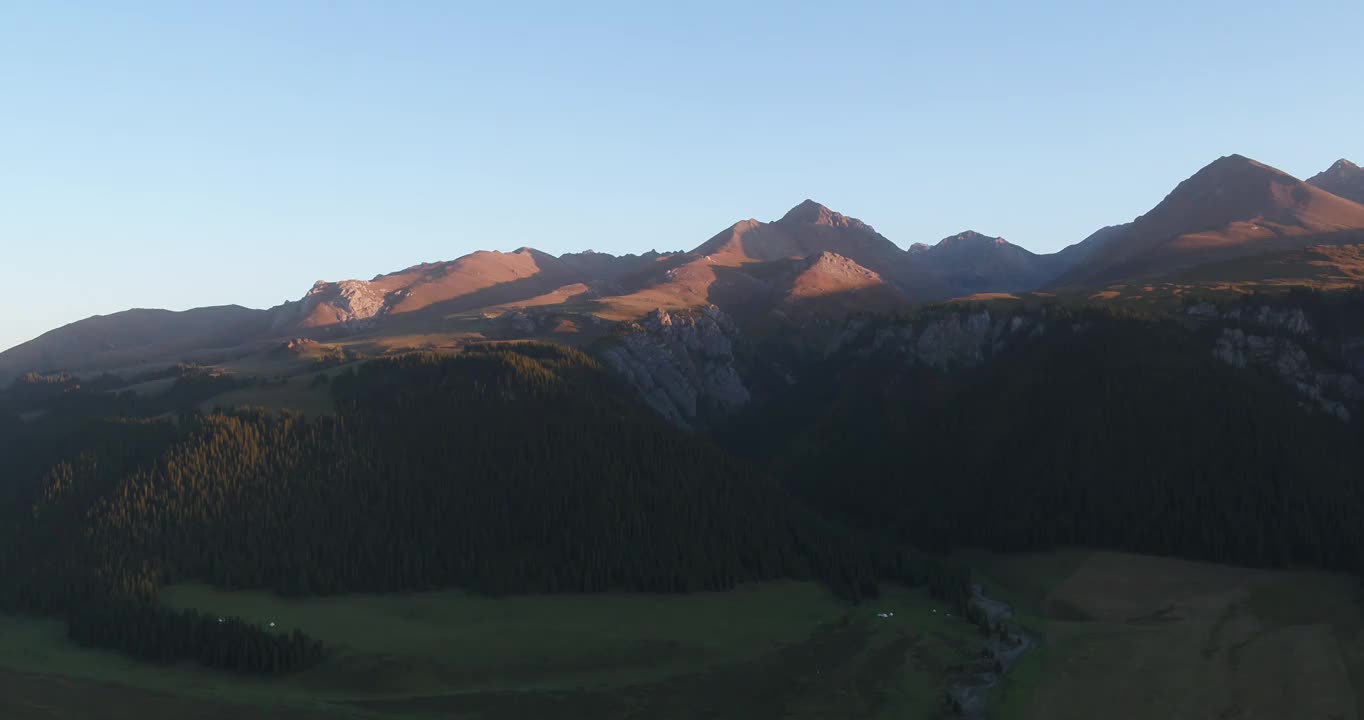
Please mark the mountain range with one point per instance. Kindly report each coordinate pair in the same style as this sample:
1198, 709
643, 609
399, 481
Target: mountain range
1234, 219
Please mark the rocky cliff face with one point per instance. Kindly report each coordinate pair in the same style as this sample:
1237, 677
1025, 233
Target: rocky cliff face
682, 364
1333, 392
1326, 372
1278, 340
947, 339
348, 302
345, 305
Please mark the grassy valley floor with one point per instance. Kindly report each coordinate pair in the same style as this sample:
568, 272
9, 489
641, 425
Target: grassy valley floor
1137, 637
1122, 636
779, 650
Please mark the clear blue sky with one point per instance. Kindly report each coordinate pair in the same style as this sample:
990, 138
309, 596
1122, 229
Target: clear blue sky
174, 154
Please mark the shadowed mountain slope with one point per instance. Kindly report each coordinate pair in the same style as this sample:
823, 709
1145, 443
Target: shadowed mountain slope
1344, 178
970, 262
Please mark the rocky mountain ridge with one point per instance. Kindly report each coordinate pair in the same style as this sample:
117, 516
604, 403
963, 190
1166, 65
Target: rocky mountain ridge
1343, 178
812, 266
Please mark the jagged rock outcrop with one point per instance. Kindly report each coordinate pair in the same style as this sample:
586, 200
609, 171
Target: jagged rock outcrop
1291, 320
1333, 392
294, 347
682, 364
346, 305
347, 302
519, 321
1277, 339
951, 338
1325, 372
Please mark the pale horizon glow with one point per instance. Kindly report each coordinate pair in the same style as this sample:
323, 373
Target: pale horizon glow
177, 155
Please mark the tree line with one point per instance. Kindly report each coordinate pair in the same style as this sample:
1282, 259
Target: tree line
159, 634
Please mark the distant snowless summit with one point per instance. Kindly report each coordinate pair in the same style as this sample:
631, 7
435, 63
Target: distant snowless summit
813, 264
